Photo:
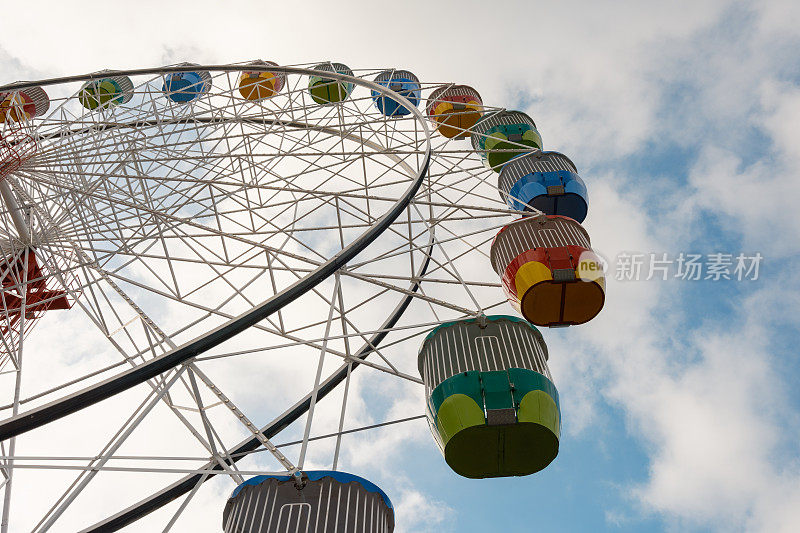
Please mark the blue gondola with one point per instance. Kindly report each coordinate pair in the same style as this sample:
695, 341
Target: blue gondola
402, 82
547, 181
323, 500
184, 87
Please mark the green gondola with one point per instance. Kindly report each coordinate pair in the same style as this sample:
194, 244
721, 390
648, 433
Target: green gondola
492, 406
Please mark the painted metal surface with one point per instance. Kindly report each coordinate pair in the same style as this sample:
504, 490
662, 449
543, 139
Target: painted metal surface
549, 271
402, 82
112, 386
275, 427
491, 403
455, 109
503, 135
23, 104
106, 92
325, 89
545, 181
185, 87
257, 84
328, 501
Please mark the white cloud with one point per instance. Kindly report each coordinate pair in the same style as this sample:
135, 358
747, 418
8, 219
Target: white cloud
604, 82
418, 512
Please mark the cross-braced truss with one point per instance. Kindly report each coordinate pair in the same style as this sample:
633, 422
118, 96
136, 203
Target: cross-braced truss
159, 222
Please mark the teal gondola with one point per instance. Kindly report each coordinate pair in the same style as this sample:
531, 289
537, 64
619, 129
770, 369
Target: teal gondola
503, 135
492, 406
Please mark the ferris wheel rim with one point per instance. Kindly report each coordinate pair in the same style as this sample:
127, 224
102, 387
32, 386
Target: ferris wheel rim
77, 401
147, 505
383, 90
333, 264
290, 123
178, 488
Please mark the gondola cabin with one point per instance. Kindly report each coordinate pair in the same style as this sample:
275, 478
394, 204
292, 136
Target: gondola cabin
503, 135
259, 84
549, 271
547, 181
106, 92
455, 109
184, 87
324, 501
327, 90
24, 104
402, 82
491, 402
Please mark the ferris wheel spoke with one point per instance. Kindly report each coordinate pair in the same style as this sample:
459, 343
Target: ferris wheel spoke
318, 377
165, 341
15, 353
210, 231
392, 370
146, 322
197, 212
292, 414
236, 289
406, 248
154, 385
224, 459
95, 468
139, 254
150, 469
438, 302
86, 476
186, 502
316, 342
253, 429
341, 259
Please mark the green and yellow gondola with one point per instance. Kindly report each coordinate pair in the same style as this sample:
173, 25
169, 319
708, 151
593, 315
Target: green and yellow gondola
106, 92
492, 405
504, 135
327, 90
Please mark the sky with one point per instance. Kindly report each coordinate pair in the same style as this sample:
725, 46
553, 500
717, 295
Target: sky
679, 401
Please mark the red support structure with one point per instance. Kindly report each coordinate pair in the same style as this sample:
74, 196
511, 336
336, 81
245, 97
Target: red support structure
16, 146
24, 288
16, 283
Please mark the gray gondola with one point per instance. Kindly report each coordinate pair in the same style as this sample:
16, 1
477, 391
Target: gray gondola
491, 402
329, 501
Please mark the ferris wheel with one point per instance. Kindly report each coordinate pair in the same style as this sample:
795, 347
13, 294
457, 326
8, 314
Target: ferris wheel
240, 239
